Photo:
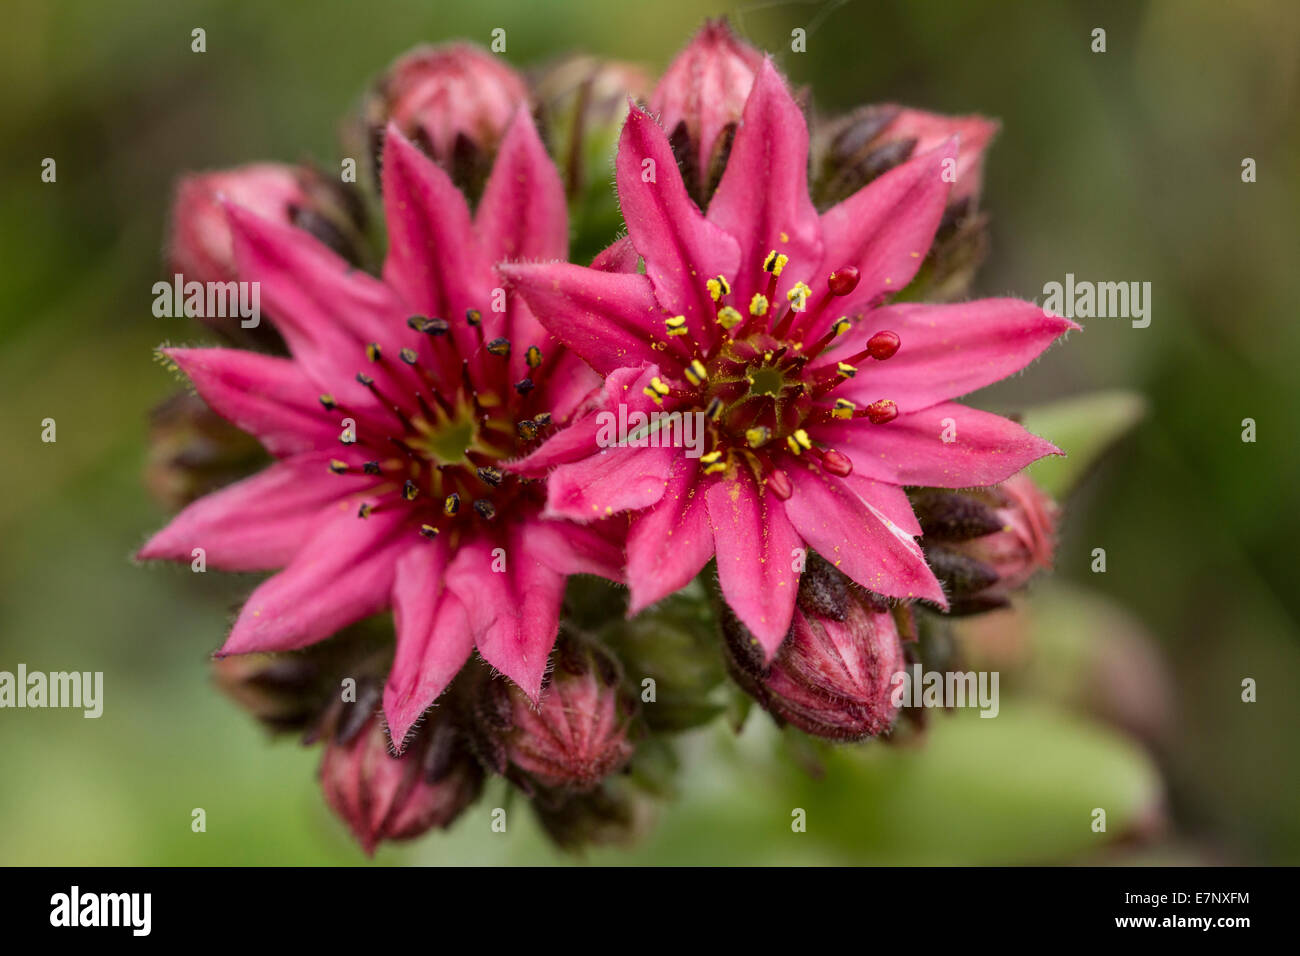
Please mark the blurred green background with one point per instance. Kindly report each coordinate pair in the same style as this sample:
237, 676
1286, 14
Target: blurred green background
1120, 166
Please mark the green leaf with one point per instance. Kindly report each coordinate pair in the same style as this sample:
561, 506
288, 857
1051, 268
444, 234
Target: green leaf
1083, 428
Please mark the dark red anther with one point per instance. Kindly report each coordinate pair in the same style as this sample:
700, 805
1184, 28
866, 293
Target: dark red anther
882, 411
883, 345
837, 463
779, 482
843, 280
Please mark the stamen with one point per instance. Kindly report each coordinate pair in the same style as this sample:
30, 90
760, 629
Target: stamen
758, 304
372, 468
799, 441
881, 412
526, 429
489, 475
328, 403
542, 419
713, 411
837, 463
524, 386
428, 326
409, 356
485, 508
474, 317
696, 372
499, 346
758, 436
410, 491
843, 408
338, 467
843, 280
729, 318
883, 345
845, 370
775, 262
428, 531
533, 356
798, 296
657, 389
365, 510
451, 505
373, 352
676, 325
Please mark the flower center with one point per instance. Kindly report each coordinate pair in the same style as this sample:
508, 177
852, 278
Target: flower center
765, 378
436, 449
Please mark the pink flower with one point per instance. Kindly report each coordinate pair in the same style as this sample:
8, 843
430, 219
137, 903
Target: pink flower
390, 422
383, 796
822, 401
700, 98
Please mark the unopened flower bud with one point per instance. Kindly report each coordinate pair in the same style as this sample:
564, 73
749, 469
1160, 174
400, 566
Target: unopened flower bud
834, 675
283, 691
454, 102
193, 451
872, 140
200, 247
575, 737
987, 542
616, 813
383, 797
700, 99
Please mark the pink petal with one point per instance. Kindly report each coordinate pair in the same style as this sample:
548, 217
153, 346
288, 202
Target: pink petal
326, 310
512, 600
569, 386
619, 256
682, 249
571, 548
434, 258
342, 574
267, 397
911, 450
757, 548
260, 523
668, 544
946, 350
762, 199
433, 637
857, 539
890, 500
620, 478
884, 231
523, 214
581, 439
611, 319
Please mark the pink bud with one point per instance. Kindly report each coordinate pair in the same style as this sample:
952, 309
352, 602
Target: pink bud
931, 130
834, 675
382, 797
1027, 539
576, 736
701, 95
449, 100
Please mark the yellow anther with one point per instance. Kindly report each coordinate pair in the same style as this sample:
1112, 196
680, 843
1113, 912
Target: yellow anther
659, 385
845, 369
775, 262
842, 325
533, 356
653, 395
696, 372
729, 318
716, 467
802, 438
715, 290
843, 408
798, 296
794, 445
758, 436
373, 352
713, 411
338, 467
711, 457
758, 304
676, 325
